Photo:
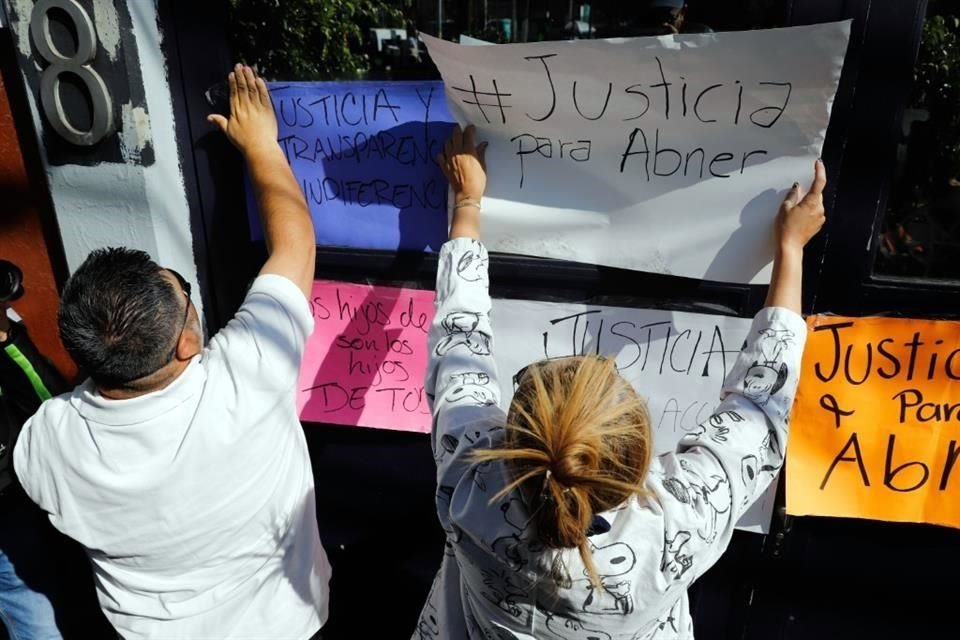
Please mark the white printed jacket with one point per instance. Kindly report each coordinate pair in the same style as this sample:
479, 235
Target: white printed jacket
496, 581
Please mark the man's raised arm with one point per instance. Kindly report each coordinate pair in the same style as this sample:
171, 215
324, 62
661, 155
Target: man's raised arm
287, 227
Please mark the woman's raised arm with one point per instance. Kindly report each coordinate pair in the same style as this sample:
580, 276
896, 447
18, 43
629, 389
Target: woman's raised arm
462, 382
799, 220
727, 463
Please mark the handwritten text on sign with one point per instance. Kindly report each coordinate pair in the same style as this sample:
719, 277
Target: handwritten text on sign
677, 361
662, 154
367, 357
363, 153
876, 427
366, 360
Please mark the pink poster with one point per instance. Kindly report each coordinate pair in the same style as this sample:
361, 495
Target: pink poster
365, 362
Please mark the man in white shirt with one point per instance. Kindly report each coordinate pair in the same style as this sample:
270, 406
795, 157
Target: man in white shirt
182, 468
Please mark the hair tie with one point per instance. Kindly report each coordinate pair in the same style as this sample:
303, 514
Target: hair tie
544, 489
544, 493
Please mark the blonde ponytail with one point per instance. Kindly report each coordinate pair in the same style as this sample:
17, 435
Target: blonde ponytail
578, 442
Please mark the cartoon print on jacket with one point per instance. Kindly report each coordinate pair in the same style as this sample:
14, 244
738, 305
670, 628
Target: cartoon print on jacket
429, 626
749, 470
461, 330
765, 377
676, 561
471, 388
446, 445
570, 627
774, 342
517, 546
750, 467
666, 625
716, 426
472, 437
771, 446
614, 562
479, 472
499, 589
472, 265
713, 498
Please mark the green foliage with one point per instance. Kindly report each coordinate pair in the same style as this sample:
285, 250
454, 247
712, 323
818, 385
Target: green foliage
937, 89
307, 39
938, 63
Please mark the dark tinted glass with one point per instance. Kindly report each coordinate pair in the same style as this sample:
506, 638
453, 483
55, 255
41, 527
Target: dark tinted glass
377, 39
919, 235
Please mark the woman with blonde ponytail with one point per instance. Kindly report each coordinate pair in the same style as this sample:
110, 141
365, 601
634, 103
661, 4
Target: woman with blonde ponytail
560, 522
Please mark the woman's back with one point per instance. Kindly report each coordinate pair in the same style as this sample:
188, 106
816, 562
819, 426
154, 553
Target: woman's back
499, 581
555, 525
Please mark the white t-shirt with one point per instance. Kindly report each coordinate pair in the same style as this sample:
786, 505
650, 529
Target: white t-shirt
195, 503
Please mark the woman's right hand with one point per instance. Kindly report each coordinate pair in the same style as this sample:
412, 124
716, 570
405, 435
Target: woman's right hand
801, 218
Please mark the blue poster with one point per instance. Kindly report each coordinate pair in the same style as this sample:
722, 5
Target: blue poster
363, 153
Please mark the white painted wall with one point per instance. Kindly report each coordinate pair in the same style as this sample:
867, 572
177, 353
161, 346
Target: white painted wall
131, 205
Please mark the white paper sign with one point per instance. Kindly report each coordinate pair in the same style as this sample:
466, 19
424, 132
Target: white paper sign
675, 360
667, 154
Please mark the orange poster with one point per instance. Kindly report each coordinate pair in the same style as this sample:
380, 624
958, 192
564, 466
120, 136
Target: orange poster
875, 431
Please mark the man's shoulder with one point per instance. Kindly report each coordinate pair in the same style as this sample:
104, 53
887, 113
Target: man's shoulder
51, 415
41, 451
38, 446
272, 301
277, 286
285, 298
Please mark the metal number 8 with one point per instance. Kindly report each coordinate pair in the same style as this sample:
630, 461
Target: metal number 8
77, 64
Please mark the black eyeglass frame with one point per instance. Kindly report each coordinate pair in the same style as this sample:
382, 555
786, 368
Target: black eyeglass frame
187, 290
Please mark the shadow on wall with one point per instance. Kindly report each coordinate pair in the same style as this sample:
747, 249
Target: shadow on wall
404, 184
759, 213
364, 373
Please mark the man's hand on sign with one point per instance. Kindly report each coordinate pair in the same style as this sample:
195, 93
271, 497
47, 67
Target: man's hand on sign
462, 162
287, 226
252, 124
801, 218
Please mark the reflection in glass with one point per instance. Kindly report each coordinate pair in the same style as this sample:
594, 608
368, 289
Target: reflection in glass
920, 233
377, 39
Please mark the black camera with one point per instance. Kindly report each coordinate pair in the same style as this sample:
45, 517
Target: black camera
11, 281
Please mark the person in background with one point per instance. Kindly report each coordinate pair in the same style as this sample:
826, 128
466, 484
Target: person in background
181, 467
559, 521
665, 17
26, 380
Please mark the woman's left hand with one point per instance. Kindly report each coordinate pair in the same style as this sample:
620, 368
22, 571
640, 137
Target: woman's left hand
462, 162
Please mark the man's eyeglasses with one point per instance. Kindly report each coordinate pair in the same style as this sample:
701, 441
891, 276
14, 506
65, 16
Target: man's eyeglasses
185, 286
187, 289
